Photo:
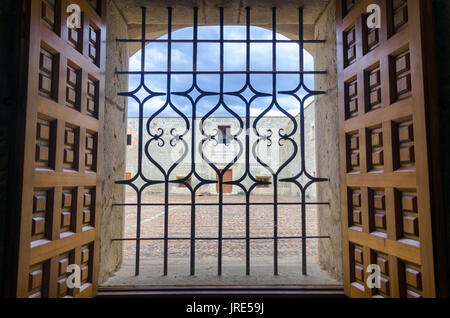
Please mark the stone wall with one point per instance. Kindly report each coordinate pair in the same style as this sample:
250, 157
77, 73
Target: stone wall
220, 155
117, 58
327, 144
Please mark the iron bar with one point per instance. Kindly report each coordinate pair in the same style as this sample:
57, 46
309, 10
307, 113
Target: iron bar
194, 118
265, 238
275, 175
221, 72
247, 145
224, 203
141, 115
302, 141
222, 172
217, 41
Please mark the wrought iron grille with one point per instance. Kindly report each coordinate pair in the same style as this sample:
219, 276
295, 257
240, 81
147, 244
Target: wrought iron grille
246, 149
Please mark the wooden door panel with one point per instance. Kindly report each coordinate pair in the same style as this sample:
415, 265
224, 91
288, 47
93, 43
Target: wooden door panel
227, 177
61, 178
385, 181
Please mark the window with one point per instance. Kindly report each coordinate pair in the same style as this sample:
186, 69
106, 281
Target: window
224, 134
263, 179
178, 140
129, 140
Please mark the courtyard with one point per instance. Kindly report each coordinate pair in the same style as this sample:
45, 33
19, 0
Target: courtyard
234, 252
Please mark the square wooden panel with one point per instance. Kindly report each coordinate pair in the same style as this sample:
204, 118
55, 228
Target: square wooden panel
37, 278
350, 46
371, 37
401, 77
47, 70
357, 265
91, 152
351, 99
372, 89
73, 87
404, 145
347, 6
68, 210
44, 157
62, 288
86, 264
48, 13
95, 4
88, 206
94, 44
409, 216
64, 260
376, 151
40, 223
63, 263
71, 148
382, 260
354, 207
399, 14
353, 153
75, 37
92, 97
410, 280
377, 210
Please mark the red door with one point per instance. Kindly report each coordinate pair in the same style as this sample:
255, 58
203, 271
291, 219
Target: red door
227, 177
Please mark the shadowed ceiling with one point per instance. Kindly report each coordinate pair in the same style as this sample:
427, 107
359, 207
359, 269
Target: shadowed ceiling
234, 14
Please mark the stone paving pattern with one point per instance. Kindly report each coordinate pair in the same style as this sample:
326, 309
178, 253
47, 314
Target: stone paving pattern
261, 225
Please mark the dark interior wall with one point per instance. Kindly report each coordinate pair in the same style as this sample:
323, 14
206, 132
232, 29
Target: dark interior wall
8, 11
442, 20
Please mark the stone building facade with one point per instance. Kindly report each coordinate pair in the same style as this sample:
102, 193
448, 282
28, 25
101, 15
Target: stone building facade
176, 155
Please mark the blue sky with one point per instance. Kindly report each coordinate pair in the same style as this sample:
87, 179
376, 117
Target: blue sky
209, 60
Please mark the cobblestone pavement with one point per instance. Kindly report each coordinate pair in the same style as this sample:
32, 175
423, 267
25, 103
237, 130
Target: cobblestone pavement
261, 225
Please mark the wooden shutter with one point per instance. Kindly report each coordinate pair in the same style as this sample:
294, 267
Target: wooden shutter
384, 104
60, 177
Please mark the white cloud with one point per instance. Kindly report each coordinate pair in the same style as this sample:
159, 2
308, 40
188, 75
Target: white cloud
208, 59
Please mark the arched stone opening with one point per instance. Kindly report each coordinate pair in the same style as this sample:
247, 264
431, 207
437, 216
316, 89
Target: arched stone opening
123, 21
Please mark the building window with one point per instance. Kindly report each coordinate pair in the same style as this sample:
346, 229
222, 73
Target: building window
129, 140
263, 179
181, 185
224, 134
